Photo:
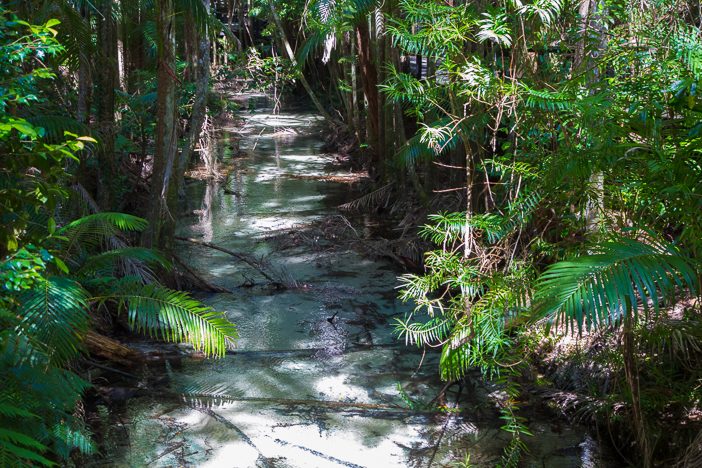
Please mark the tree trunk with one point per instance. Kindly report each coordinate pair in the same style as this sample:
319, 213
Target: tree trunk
369, 78
632, 378
106, 83
291, 55
197, 119
162, 200
240, 19
84, 78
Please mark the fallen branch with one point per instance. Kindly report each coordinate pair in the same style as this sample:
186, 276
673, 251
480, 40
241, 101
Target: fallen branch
170, 449
243, 257
235, 428
199, 280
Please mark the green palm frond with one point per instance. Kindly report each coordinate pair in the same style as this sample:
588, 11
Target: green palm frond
618, 279
546, 10
17, 449
174, 316
494, 27
107, 263
55, 125
95, 229
67, 439
55, 314
688, 47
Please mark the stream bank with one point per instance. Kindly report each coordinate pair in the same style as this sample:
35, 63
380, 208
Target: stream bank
318, 377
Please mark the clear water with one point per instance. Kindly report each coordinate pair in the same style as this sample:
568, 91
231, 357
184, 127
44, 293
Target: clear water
302, 391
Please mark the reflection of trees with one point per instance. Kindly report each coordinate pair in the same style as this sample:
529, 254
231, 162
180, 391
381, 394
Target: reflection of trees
277, 181
204, 223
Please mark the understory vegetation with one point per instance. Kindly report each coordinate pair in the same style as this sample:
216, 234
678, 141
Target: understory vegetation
542, 160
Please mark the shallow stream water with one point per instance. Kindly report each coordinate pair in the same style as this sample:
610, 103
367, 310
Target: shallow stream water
314, 379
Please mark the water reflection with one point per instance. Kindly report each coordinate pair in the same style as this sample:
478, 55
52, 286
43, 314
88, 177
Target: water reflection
314, 380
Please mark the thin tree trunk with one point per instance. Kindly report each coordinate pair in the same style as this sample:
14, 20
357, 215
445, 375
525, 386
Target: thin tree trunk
106, 83
354, 91
240, 18
162, 201
632, 378
202, 71
84, 78
369, 78
291, 56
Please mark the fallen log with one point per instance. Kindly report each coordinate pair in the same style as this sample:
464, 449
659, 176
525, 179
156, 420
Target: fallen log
111, 349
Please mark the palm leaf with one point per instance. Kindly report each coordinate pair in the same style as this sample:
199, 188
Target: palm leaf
55, 314
174, 316
619, 278
108, 262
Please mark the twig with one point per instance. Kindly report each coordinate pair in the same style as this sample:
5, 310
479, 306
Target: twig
111, 369
170, 449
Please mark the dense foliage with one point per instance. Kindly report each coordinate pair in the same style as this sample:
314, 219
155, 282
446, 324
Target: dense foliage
569, 132
550, 150
63, 263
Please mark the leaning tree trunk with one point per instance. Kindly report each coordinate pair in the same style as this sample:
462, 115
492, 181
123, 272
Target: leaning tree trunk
197, 119
291, 56
162, 200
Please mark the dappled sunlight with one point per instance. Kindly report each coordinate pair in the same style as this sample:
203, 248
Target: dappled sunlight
314, 379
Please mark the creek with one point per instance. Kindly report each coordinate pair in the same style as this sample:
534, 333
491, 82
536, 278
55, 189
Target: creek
314, 378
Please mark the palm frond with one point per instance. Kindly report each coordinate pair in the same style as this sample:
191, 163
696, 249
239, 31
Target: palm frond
95, 229
376, 199
55, 314
617, 280
174, 316
107, 263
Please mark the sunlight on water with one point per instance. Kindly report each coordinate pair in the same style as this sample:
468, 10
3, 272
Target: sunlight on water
314, 379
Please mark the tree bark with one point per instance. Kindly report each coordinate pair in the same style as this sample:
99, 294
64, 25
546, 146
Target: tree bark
106, 83
162, 199
197, 119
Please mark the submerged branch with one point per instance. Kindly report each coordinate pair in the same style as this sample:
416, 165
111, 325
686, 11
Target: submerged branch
248, 259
